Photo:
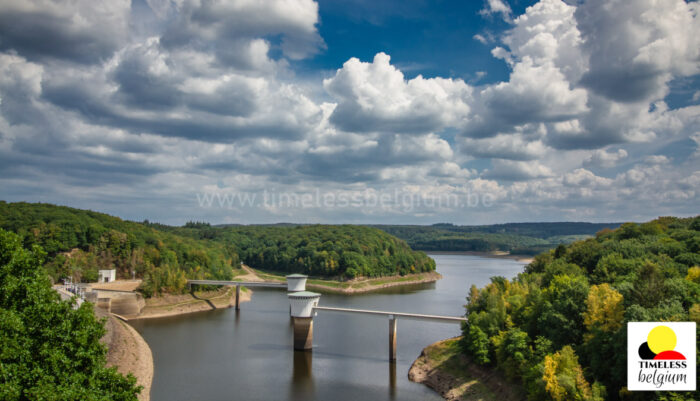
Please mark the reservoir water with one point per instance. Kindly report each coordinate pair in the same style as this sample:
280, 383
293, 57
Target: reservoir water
248, 355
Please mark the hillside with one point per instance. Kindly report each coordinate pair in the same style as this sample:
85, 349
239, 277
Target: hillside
559, 328
80, 242
341, 252
516, 238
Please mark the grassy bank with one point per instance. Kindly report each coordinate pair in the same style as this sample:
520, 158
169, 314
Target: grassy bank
442, 367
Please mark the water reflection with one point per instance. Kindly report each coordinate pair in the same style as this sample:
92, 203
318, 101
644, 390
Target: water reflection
392, 380
247, 355
302, 384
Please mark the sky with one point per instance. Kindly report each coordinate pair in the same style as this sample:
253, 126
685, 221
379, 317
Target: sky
352, 111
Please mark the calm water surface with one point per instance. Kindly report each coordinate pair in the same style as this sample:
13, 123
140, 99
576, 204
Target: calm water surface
247, 355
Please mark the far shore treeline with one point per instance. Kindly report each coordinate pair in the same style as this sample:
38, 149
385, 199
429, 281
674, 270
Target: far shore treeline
515, 238
560, 328
80, 242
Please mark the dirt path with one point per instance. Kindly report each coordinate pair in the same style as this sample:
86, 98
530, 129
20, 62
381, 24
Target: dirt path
119, 285
249, 276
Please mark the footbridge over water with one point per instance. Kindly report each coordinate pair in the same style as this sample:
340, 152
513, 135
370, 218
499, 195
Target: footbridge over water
295, 283
304, 306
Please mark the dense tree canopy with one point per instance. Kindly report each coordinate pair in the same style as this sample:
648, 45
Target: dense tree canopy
560, 327
342, 252
80, 242
48, 350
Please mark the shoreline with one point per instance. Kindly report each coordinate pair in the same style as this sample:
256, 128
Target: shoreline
352, 287
127, 351
368, 286
442, 367
495, 255
175, 305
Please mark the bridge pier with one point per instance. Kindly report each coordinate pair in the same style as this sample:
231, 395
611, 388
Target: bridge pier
392, 337
303, 333
302, 304
238, 297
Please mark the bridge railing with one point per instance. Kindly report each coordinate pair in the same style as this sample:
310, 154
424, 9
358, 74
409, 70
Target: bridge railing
295, 283
403, 315
304, 306
239, 283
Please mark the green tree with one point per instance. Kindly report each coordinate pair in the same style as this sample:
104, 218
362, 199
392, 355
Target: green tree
50, 351
478, 345
565, 304
513, 352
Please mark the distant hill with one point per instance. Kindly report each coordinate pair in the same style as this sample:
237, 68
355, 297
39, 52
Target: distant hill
516, 238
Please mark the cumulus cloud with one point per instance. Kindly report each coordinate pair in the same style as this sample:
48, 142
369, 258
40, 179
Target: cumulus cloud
635, 48
582, 177
221, 25
149, 88
544, 59
603, 158
509, 170
376, 97
205, 98
84, 31
534, 93
376, 154
497, 7
481, 38
592, 73
512, 147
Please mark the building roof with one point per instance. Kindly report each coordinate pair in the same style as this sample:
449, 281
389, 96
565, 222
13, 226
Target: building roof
304, 294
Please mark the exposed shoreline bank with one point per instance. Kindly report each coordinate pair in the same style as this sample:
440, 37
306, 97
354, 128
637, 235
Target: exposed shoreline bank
370, 285
443, 368
494, 254
174, 305
128, 351
351, 287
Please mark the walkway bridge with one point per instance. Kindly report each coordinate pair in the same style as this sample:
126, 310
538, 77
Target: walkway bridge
304, 306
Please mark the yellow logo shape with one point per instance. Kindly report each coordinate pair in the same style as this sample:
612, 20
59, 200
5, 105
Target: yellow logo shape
660, 339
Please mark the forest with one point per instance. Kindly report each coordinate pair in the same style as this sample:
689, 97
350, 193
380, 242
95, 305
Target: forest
50, 351
340, 252
80, 242
515, 238
559, 328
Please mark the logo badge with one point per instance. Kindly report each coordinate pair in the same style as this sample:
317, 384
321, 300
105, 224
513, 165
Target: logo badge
661, 356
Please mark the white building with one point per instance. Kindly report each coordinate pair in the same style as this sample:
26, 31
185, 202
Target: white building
106, 276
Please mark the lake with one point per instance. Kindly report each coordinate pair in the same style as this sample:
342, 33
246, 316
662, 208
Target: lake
248, 354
